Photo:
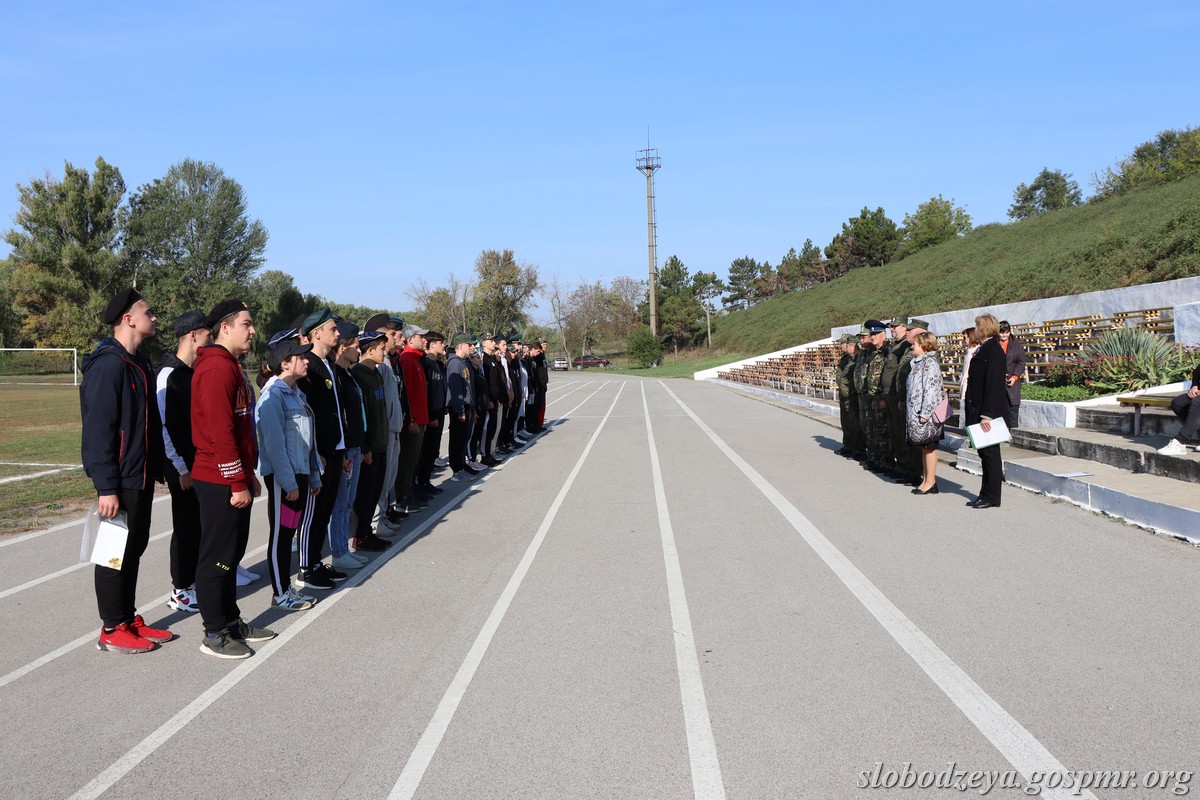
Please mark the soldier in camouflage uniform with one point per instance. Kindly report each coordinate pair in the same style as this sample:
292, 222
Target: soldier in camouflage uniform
879, 443
895, 387
848, 399
862, 362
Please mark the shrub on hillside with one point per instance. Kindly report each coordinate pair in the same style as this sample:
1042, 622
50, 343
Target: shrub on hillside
643, 347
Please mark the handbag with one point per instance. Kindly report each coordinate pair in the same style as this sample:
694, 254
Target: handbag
942, 412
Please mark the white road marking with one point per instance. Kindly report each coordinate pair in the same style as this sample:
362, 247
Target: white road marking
1006, 734
33, 475
65, 571
702, 747
431, 738
37, 464
565, 394
73, 523
85, 639
140, 752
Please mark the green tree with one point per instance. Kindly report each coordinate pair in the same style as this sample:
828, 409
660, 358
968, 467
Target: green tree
935, 221
868, 240
643, 347
707, 287
1050, 191
743, 272
189, 239
274, 301
588, 309
10, 320
503, 292
65, 248
1170, 156
679, 309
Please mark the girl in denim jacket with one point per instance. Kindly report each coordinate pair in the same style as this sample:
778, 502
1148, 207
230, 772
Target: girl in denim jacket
288, 462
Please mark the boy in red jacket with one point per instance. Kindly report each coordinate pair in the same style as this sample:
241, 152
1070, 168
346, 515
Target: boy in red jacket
223, 478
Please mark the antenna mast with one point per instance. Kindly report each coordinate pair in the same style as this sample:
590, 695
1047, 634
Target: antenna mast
648, 163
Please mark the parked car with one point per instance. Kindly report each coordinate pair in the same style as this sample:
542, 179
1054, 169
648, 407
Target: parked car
582, 362
560, 363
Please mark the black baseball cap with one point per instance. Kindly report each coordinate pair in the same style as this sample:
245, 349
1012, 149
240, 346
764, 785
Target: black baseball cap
285, 350
189, 321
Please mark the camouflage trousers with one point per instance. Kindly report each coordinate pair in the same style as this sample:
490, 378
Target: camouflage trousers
851, 424
879, 436
908, 458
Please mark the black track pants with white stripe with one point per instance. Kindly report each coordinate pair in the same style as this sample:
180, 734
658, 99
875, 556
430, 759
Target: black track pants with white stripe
284, 517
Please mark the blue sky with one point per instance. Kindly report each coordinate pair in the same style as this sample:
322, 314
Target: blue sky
381, 143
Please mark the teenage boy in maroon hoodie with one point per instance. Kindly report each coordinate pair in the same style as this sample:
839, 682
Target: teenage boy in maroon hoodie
122, 454
223, 478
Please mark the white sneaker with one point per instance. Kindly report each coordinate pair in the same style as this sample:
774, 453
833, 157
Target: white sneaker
346, 562
245, 577
361, 558
441, 462
184, 600
463, 476
291, 600
1173, 448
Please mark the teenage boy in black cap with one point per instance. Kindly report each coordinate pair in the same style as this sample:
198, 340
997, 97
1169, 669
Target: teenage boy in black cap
175, 407
376, 394
417, 393
122, 454
431, 442
223, 478
390, 326
460, 401
321, 391
479, 385
497, 384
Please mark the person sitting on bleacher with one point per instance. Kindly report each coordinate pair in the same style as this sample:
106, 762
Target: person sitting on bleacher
1187, 407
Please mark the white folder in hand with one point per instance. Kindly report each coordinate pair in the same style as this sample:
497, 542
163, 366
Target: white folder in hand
104, 539
981, 438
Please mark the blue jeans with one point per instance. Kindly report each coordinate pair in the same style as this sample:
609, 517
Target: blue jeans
339, 523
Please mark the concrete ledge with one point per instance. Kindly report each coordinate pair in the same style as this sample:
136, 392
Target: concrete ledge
811, 403
1087, 492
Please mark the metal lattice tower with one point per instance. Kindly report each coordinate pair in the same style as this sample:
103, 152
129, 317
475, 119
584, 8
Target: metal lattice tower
648, 163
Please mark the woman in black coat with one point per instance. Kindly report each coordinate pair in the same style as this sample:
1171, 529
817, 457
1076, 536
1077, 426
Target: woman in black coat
987, 399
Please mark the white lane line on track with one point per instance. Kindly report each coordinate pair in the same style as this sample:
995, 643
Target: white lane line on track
87, 637
33, 475
1015, 743
73, 523
702, 747
107, 779
66, 570
565, 394
431, 738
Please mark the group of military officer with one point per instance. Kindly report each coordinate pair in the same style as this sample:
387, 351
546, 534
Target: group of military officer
872, 379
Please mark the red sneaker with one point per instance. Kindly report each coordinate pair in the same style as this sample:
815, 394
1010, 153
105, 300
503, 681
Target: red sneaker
150, 634
124, 639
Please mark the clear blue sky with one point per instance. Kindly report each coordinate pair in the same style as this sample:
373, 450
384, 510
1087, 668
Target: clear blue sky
384, 142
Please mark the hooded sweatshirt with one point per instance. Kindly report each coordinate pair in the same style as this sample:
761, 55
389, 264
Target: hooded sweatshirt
122, 432
174, 395
222, 420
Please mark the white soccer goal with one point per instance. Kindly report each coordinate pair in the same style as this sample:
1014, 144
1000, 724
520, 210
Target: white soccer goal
39, 366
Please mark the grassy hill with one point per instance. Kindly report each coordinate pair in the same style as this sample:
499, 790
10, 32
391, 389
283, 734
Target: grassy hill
1148, 236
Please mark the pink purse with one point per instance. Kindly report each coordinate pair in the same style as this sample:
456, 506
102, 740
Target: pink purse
942, 412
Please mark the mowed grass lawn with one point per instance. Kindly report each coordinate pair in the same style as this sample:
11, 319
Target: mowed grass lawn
683, 368
40, 424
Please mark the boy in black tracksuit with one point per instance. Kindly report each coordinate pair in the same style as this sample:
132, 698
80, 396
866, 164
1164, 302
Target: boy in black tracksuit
320, 389
122, 453
435, 379
174, 383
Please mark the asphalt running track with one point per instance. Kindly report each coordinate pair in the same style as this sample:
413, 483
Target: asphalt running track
679, 592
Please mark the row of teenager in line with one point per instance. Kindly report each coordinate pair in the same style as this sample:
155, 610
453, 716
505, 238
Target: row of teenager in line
345, 432
893, 402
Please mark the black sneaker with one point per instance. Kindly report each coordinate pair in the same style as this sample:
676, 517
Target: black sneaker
314, 578
243, 631
331, 573
223, 645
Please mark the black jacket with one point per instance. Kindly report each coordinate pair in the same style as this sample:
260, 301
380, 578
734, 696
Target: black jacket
1014, 364
176, 410
321, 391
497, 387
435, 379
986, 393
353, 413
122, 432
480, 386
460, 388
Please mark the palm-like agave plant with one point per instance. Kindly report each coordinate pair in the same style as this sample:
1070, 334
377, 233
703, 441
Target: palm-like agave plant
1134, 358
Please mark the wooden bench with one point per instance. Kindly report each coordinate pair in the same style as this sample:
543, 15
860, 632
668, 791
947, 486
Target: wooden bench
1141, 401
